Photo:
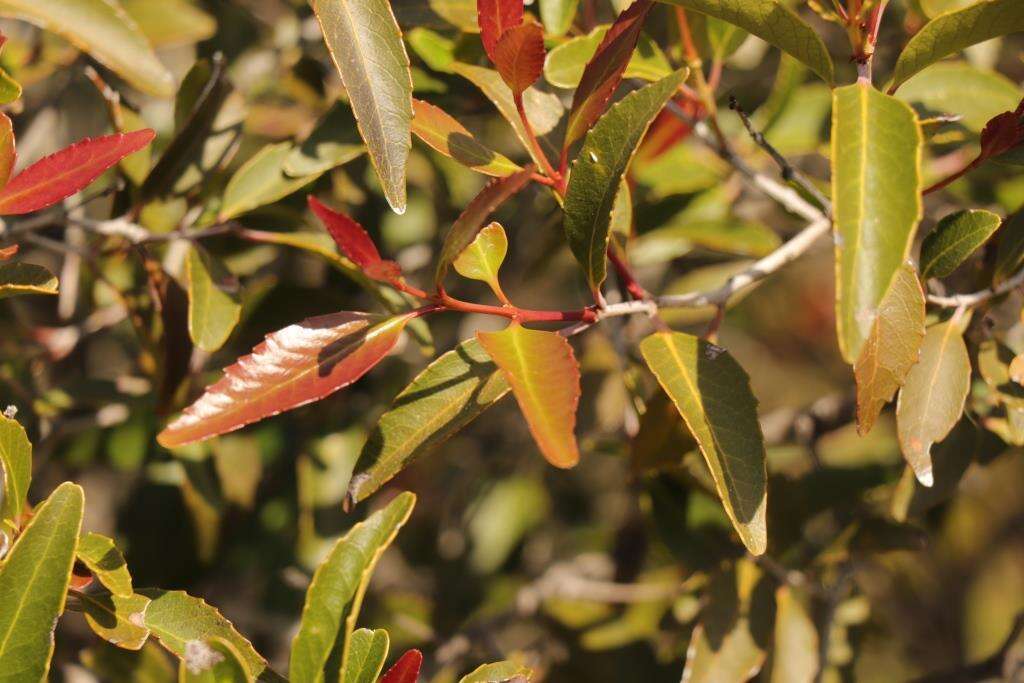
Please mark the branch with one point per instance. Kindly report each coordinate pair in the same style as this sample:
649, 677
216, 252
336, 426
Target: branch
975, 298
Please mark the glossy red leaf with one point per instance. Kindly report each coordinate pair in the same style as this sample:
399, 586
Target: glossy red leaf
519, 56
603, 72
494, 18
354, 242
406, 669
64, 173
299, 364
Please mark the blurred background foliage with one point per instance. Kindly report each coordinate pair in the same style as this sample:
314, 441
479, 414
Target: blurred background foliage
608, 572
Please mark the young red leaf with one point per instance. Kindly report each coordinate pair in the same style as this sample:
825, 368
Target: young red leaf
64, 173
1002, 133
545, 379
297, 365
603, 72
495, 17
519, 56
406, 669
354, 242
8, 155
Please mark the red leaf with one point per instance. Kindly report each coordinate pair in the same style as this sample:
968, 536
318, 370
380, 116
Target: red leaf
519, 56
8, 252
406, 669
667, 131
297, 365
64, 173
1002, 133
603, 72
495, 17
354, 242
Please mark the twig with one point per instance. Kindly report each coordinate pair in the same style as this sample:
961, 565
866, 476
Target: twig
975, 298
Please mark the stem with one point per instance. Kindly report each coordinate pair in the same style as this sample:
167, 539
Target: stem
625, 275
952, 178
542, 158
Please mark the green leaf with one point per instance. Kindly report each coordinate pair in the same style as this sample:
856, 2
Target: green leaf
449, 394
215, 660
712, 393
954, 239
501, 517
773, 22
214, 304
950, 459
498, 672
436, 50
25, 278
367, 652
892, 347
261, 180
178, 619
366, 45
482, 259
876, 190
565, 63
954, 31
336, 592
600, 167
959, 88
557, 15
1010, 250
148, 665
105, 561
932, 399
10, 89
171, 22
118, 619
15, 468
104, 30
683, 234
34, 582
333, 142
795, 653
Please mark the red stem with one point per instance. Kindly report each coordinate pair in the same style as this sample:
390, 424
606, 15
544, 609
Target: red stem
542, 158
956, 176
634, 288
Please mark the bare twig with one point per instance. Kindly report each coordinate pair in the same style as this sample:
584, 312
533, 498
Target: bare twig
975, 298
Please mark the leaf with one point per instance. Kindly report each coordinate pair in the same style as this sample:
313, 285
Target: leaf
501, 517
685, 233
104, 30
10, 89
148, 665
599, 169
336, 592
449, 394
469, 222
712, 393
932, 399
366, 45
212, 661
177, 620
118, 619
495, 17
15, 468
519, 56
105, 561
8, 155
954, 239
355, 243
334, 141
795, 654
214, 301
603, 73
34, 582
260, 181
954, 31
64, 173
876, 188
482, 259
294, 366
367, 652
25, 278
498, 672
171, 22
406, 669
950, 459
435, 127
545, 379
892, 347
975, 94
773, 22
557, 15
1010, 249
565, 64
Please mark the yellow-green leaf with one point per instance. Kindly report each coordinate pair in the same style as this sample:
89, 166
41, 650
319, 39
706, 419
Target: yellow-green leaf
712, 393
105, 561
774, 22
557, 15
954, 239
598, 171
932, 399
34, 582
876, 190
366, 45
104, 30
498, 672
891, 349
795, 653
565, 63
15, 468
961, 89
118, 619
336, 593
215, 660
449, 394
545, 379
334, 141
954, 31
214, 304
171, 22
261, 180
25, 278
438, 129
10, 89
482, 259
367, 652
